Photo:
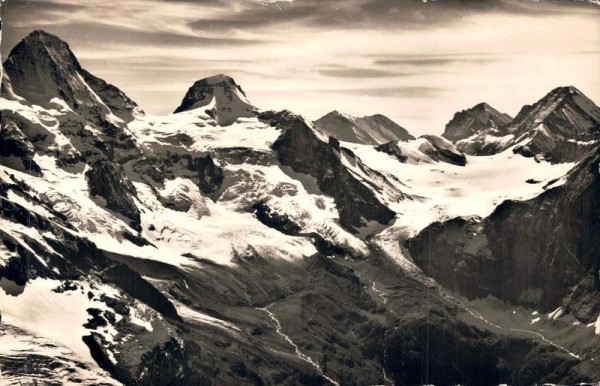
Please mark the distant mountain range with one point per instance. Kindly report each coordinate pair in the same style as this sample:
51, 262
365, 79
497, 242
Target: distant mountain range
228, 245
559, 127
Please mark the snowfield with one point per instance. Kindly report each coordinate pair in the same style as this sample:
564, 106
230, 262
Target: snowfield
37, 309
442, 191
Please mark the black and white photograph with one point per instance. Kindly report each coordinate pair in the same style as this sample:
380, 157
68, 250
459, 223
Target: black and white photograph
299, 192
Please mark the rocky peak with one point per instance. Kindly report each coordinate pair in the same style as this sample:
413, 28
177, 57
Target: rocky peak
478, 118
369, 130
42, 67
483, 107
564, 111
222, 96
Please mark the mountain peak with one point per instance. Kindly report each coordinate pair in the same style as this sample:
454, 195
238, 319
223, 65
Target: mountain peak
225, 98
42, 67
370, 130
566, 90
565, 111
39, 35
476, 119
483, 106
51, 46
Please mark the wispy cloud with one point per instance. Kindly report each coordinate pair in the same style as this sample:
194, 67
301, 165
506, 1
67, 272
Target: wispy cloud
358, 72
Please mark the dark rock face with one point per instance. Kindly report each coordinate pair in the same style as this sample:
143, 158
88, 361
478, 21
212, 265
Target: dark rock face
145, 357
584, 301
230, 101
163, 364
13, 143
210, 175
107, 180
23, 263
370, 130
474, 120
115, 99
528, 252
42, 67
138, 288
201, 169
439, 350
274, 220
299, 147
444, 151
394, 150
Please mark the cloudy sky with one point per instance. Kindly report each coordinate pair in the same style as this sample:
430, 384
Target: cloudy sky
416, 61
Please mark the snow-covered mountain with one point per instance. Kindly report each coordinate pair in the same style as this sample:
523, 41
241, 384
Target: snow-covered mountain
560, 127
221, 97
27, 68
223, 244
479, 121
370, 130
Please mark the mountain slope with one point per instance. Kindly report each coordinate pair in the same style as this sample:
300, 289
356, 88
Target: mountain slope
370, 130
528, 252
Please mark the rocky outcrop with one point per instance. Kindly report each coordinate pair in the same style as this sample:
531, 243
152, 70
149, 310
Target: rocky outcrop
560, 127
201, 169
530, 252
210, 175
443, 150
302, 149
275, 220
107, 180
426, 149
584, 300
223, 99
394, 150
135, 354
369, 130
137, 287
15, 148
29, 257
544, 146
